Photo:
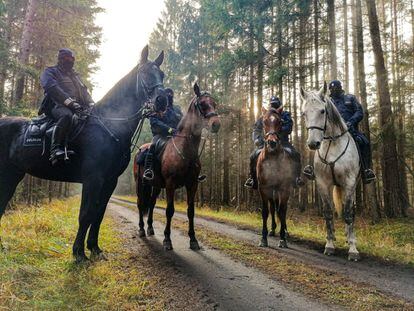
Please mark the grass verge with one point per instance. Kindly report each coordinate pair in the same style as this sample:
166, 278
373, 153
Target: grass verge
37, 270
325, 286
389, 240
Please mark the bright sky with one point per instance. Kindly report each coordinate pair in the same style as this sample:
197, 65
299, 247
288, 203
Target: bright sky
126, 27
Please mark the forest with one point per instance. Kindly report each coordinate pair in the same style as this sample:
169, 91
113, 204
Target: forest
243, 52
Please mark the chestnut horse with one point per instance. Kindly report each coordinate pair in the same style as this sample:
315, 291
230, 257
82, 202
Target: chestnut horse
180, 166
275, 176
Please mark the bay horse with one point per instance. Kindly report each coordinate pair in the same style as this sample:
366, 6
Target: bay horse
102, 149
275, 176
179, 166
336, 164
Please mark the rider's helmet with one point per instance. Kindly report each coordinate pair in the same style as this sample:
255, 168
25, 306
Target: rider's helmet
275, 102
335, 88
66, 58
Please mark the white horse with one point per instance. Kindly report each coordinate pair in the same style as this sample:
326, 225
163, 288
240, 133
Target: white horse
336, 164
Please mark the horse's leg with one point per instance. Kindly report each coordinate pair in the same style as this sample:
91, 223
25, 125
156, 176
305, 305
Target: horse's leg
272, 214
191, 192
281, 213
141, 230
9, 179
93, 235
265, 214
91, 192
169, 212
349, 217
154, 196
329, 220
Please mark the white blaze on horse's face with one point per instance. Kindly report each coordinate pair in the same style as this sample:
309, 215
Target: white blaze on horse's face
315, 115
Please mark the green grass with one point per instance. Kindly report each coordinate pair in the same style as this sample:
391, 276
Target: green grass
37, 271
389, 240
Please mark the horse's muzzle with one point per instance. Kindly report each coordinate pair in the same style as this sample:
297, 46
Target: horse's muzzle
314, 145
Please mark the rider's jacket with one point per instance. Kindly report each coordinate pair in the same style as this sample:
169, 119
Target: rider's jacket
165, 123
60, 86
350, 109
287, 125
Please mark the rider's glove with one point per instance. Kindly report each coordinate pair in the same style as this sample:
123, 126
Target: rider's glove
172, 131
73, 105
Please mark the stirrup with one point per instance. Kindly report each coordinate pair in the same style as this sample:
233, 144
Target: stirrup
249, 183
202, 178
308, 172
368, 176
148, 174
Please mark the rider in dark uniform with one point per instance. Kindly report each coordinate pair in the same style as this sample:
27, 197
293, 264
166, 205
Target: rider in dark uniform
258, 139
65, 94
352, 113
164, 122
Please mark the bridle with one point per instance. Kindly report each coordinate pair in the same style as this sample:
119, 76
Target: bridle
198, 106
206, 116
323, 129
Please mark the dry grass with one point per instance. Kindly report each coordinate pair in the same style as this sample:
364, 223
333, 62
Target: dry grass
37, 270
389, 240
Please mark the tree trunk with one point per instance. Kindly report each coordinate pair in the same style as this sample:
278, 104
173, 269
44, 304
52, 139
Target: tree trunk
370, 191
393, 201
346, 46
332, 39
25, 48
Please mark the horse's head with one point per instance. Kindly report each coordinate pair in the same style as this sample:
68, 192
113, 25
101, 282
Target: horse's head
314, 110
205, 106
150, 79
272, 125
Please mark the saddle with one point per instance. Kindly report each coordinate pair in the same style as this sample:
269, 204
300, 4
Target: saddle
158, 151
40, 129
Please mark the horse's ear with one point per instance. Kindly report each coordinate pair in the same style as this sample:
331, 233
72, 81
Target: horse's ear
197, 90
144, 55
264, 110
159, 59
302, 93
323, 90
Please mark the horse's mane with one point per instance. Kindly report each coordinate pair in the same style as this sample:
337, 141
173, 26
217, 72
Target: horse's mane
126, 85
333, 114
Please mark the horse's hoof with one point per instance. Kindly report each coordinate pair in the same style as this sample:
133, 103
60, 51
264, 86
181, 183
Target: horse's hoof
141, 233
283, 244
263, 243
272, 233
167, 245
194, 245
150, 231
81, 259
354, 257
329, 251
98, 256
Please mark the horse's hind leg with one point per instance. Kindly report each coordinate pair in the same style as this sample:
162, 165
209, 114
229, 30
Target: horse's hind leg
191, 192
349, 217
329, 220
272, 214
154, 196
9, 179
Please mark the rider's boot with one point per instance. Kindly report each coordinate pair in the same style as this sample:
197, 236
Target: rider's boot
308, 172
148, 166
57, 149
202, 178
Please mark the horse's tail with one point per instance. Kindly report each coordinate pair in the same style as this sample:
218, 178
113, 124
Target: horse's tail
337, 198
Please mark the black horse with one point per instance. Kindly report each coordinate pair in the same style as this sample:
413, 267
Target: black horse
102, 149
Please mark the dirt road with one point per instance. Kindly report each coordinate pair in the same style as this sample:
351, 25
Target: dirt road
226, 284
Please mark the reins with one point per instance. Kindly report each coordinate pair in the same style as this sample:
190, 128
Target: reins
331, 139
